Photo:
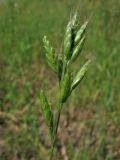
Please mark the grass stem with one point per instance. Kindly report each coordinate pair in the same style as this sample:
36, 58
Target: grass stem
56, 130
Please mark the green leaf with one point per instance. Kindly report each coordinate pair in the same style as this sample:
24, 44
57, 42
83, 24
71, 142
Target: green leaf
65, 87
50, 55
80, 75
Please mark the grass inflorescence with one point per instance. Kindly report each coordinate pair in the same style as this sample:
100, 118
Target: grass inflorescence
61, 65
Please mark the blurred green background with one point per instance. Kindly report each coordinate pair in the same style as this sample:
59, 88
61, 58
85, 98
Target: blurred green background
89, 128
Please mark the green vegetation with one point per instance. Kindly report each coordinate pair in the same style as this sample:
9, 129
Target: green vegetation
89, 126
61, 64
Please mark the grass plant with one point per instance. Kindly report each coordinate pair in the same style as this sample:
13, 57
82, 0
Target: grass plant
61, 64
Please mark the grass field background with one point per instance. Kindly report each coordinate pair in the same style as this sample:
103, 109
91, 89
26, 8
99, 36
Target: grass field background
89, 128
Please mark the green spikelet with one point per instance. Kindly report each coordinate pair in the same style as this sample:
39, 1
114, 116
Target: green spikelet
80, 75
69, 37
50, 56
80, 33
68, 41
65, 87
77, 50
46, 109
74, 21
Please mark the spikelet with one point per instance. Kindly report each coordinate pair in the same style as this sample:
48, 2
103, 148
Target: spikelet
46, 108
50, 56
69, 37
74, 21
77, 50
65, 87
80, 75
80, 33
68, 41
